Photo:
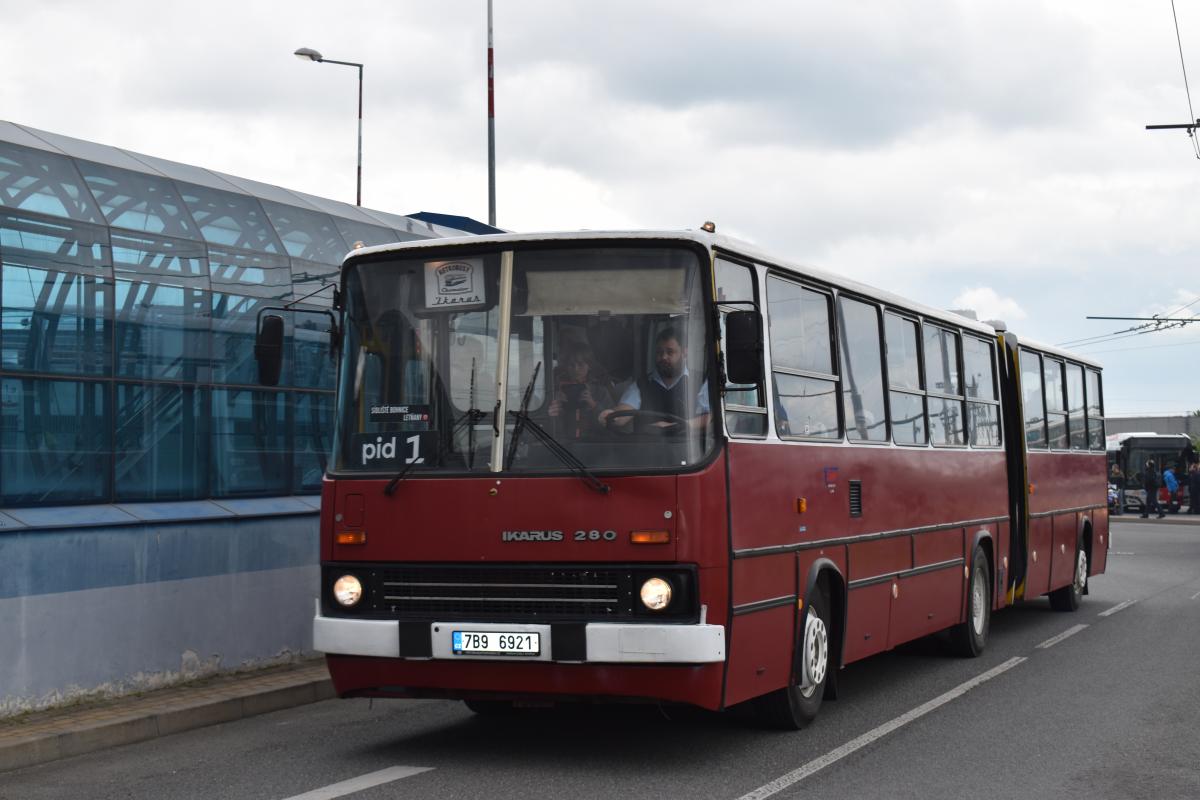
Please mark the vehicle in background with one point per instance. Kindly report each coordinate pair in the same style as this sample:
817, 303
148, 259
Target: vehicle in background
1131, 451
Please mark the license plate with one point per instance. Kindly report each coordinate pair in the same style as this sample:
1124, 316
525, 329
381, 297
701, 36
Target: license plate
496, 643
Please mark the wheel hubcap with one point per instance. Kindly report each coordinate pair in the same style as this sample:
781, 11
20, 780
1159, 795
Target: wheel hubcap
816, 654
1081, 572
978, 605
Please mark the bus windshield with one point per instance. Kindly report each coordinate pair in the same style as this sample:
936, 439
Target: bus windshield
608, 353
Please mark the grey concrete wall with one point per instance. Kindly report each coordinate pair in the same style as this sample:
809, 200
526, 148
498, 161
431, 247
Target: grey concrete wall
1189, 425
100, 612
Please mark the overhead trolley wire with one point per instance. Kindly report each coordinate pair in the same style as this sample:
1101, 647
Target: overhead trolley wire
1191, 131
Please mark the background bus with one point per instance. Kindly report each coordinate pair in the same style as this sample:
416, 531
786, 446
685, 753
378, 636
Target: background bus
1130, 452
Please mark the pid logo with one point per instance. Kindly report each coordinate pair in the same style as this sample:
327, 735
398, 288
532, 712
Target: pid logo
380, 450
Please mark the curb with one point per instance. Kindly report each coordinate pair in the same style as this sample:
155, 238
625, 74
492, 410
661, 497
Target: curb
127, 721
1169, 519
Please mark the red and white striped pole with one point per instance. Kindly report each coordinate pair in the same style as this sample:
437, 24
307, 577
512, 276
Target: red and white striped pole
491, 126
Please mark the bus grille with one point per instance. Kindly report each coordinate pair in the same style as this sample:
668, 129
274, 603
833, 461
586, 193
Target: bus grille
509, 593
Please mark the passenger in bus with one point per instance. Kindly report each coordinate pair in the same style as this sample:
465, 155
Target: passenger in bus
664, 390
1150, 482
1116, 478
578, 394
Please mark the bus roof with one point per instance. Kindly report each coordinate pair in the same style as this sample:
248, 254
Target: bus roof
1057, 351
720, 242
1115, 440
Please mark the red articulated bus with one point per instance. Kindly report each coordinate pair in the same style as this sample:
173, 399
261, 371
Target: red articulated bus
666, 467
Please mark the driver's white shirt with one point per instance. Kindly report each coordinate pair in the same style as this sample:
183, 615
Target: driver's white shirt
633, 395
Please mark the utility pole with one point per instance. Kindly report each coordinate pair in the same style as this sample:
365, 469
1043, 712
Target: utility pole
491, 125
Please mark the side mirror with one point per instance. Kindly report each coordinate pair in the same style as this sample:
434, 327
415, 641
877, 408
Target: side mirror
743, 347
268, 350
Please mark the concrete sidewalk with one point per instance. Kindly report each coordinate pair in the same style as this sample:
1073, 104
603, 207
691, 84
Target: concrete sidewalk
59, 733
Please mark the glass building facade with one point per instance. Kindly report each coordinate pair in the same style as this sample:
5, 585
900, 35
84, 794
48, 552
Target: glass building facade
129, 292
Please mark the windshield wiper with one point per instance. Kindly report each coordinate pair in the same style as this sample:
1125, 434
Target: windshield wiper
469, 418
522, 417
564, 455
523, 420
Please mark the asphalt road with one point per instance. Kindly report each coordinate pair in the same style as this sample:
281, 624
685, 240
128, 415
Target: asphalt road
1100, 703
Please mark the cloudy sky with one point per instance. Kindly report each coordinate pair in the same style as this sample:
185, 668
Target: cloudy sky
965, 153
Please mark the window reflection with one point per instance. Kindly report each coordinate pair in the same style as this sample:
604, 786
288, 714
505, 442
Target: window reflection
162, 441
44, 182
55, 322
54, 441
138, 201
251, 449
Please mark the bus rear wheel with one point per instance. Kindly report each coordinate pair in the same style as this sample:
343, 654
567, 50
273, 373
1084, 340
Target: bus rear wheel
969, 637
1069, 597
795, 706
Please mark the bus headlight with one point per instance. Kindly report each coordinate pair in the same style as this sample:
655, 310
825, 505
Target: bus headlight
347, 590
656, 594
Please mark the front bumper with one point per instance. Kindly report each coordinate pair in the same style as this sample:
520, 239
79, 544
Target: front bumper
606, 643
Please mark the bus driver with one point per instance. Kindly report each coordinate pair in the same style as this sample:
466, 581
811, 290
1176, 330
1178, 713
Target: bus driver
664, 390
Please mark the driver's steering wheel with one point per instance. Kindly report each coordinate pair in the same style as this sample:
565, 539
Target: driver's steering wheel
646, 418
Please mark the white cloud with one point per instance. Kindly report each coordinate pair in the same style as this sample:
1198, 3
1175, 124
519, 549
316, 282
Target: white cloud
987, 304
924, 148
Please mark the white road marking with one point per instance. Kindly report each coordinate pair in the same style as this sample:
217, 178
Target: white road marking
818, 764
1197, 594
1121, 553
367, 781
1056, 639
1116, 608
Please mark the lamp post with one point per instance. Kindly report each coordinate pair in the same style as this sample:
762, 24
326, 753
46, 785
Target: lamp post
307, 53
491, 124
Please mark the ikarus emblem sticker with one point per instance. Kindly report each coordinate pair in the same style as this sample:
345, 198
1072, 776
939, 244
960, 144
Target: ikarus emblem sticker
454, 284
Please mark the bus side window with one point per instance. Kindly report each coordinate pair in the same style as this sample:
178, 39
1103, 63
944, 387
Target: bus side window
1095, 411
983, 405
1076, 423
862, 371
745, 409
946, 417
806, 386
904, 380
1056, 407
1032, 400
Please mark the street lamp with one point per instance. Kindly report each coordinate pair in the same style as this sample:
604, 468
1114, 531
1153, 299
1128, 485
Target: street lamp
307, 53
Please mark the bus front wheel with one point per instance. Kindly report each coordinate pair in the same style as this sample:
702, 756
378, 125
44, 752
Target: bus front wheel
795, 706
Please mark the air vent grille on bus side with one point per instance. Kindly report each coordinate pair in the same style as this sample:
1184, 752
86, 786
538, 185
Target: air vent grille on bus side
856, 498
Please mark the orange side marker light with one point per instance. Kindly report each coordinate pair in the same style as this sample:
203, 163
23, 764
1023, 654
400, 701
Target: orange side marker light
352, 537
650, 537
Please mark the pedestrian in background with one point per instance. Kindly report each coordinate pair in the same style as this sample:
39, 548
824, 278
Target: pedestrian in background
1172, 485
1150, 482
1188, 456
1193, 488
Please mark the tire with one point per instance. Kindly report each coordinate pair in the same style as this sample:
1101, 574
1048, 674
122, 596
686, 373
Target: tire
794, 707
969, 638
1069, 597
